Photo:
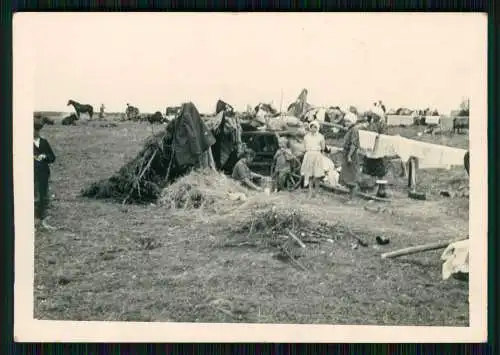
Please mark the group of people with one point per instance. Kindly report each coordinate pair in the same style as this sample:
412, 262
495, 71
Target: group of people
312, 169
313, 163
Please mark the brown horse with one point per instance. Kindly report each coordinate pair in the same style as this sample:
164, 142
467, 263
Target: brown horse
81, 108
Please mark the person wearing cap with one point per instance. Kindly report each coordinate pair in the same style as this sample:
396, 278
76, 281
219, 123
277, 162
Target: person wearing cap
43, 157
243, 174
349, 174
312, 168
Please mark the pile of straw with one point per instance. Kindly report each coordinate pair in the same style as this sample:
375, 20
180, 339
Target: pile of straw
201, 189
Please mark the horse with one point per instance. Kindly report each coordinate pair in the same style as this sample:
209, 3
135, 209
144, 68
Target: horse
69, 120
132, 112
80, 108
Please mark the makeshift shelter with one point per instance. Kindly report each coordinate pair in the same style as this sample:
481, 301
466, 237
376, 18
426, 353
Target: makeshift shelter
183, 145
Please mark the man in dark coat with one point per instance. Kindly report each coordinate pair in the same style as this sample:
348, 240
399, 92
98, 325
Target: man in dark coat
349, 174
43, 156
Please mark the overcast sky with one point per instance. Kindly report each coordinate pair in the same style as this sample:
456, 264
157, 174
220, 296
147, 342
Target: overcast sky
152, 60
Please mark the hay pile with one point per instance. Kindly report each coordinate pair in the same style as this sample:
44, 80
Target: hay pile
141, 179
201, 189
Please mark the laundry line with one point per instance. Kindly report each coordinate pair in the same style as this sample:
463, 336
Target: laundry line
427, 155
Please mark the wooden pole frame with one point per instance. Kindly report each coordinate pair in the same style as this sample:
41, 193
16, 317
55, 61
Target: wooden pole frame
412, 174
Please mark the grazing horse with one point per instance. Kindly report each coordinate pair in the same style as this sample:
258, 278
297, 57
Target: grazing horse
80, 108
69, 120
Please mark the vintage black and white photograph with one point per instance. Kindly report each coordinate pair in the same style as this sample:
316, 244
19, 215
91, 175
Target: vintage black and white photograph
251, 169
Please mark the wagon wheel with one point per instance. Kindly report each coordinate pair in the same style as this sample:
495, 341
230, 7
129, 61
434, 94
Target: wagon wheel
293, 179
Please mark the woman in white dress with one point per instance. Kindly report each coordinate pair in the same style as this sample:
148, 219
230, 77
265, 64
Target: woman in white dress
312, 165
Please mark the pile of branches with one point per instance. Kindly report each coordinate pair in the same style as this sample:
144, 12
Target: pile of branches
140, 180
286, 229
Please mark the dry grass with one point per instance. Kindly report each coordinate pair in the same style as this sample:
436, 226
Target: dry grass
205, 189
153, 263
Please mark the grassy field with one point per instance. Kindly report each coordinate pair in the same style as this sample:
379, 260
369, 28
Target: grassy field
149, 263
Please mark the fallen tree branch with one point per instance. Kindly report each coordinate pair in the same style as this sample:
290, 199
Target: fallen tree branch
418, 249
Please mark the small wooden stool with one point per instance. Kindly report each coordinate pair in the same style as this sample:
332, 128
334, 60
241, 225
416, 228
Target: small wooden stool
381, 190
